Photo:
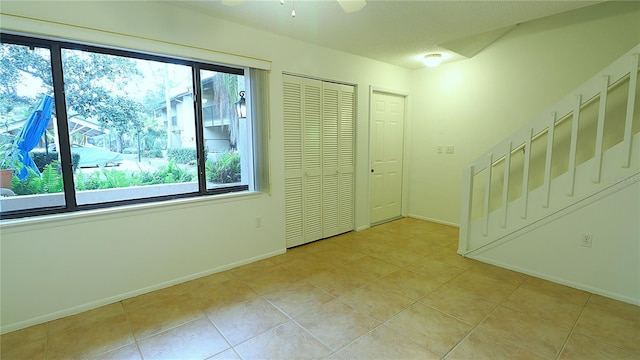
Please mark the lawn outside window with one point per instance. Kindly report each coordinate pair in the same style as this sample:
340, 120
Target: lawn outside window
99, 127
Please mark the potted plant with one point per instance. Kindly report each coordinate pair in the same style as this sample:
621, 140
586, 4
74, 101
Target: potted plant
8, 162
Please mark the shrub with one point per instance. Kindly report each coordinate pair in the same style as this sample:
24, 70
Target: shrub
50, 181
182, 155
226, 169
130, 150
167, 174
153, 153
41, 159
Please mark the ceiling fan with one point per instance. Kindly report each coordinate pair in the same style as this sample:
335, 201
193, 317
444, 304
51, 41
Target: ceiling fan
349, 6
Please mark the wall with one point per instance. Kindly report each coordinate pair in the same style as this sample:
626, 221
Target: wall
611, 267
473, 104
68, 263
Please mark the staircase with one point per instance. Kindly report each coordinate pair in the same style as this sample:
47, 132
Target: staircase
582, 149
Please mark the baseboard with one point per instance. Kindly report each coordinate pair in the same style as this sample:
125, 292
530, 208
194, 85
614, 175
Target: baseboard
386, 221
438, 221
559, 213
558, 280
113, 299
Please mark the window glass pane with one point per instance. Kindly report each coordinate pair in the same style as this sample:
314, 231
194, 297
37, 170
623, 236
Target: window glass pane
132, 124
225, 129
27, 130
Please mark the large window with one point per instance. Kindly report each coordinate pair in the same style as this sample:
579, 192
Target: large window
84, 127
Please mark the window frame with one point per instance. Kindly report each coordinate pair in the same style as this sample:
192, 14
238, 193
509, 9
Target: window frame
55, 47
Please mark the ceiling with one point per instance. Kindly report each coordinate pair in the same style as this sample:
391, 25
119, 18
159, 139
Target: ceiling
398, 32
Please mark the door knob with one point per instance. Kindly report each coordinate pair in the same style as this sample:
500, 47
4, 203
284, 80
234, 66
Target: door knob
371, 170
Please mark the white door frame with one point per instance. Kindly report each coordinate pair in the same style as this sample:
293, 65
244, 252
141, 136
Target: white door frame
405, 150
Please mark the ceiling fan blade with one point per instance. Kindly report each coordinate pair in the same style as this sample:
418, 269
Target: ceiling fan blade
350, 6
232, 2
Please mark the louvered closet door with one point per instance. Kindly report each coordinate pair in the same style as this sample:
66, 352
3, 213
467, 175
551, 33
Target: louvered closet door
346, 159
337, 159
330, 173
319, 159
293, 196
312, 159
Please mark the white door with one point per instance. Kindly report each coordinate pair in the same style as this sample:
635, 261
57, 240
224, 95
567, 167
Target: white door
387, 135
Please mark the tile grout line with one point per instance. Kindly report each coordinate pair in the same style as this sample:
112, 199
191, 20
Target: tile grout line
575, 324
485, 318
231, 346
223, 336
415, 301
133, 334
46, 343
293, 321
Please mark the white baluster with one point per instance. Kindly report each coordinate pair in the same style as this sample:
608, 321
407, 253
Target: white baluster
547, 164
574, 144
602, 110
633, 79
487, 195
467, 199
525, 174
505, 184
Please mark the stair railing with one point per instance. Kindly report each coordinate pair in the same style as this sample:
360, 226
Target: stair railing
567, 109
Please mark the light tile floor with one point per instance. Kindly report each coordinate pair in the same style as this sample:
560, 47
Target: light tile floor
395, 291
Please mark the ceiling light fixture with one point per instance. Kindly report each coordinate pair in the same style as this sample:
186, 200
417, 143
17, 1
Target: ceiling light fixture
349, 6
433, 60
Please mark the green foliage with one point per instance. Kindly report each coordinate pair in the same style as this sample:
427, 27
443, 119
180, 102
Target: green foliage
88, 80
92, 181
226, 169
51, 179
15, 61
182, 155
149, 153
226, 90
114, 178
9, 155
152, 153
49, 182
41, 159
153, 135
168, 174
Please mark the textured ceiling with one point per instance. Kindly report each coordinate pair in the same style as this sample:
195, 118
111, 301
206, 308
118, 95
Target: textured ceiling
397, 32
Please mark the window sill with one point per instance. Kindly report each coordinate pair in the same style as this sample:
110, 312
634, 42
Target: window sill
70, 218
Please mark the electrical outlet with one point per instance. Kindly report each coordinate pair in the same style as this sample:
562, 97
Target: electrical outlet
587, 240
259, 222
439, 149
449, 149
